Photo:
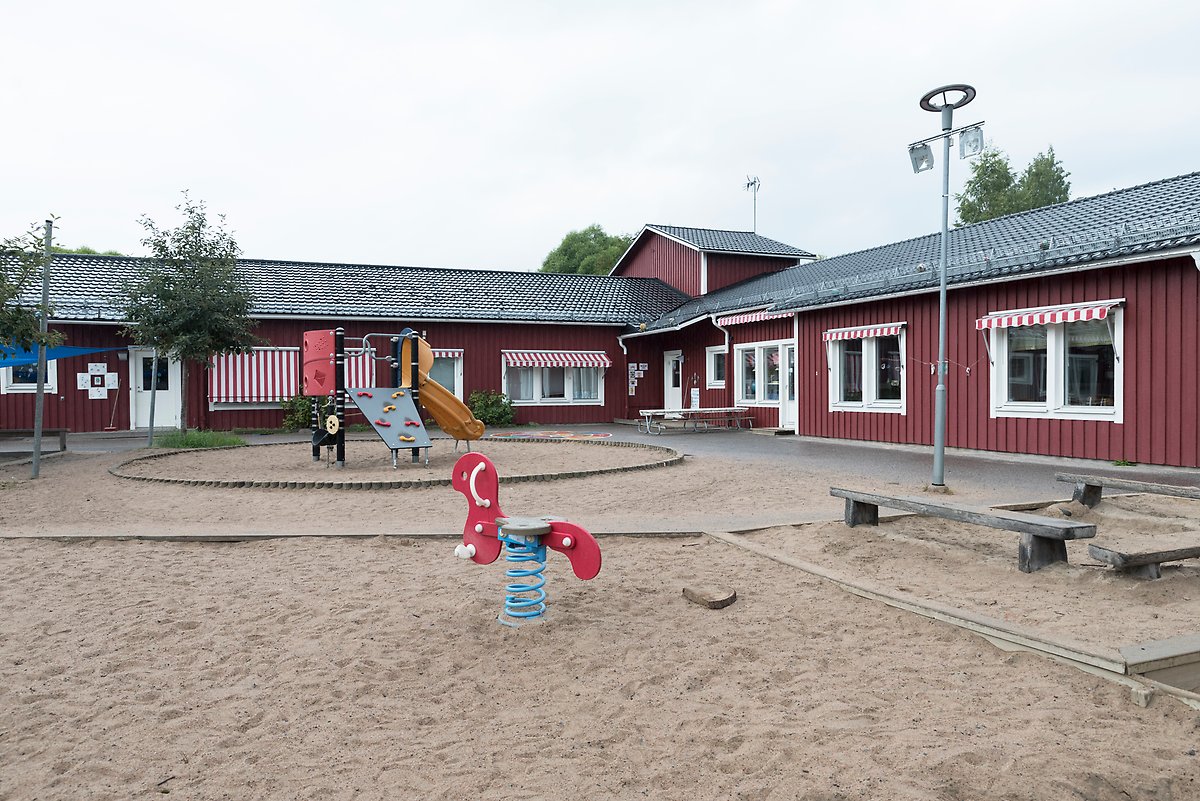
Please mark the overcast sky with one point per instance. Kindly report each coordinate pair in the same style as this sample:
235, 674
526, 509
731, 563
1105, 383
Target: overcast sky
475, 135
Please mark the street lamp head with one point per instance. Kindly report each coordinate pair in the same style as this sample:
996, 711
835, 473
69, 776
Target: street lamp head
970, 142
954, 95
922, 157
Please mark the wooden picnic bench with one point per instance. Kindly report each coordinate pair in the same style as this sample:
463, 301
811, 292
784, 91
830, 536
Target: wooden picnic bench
23, 433
654, 420
1089, 488
1043, 539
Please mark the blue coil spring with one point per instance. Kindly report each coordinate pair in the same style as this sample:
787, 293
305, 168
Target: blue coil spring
525, 598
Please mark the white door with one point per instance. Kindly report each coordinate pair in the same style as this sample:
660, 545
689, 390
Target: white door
169, 401
672, 379
787, 395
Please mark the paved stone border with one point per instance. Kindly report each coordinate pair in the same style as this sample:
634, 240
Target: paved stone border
670, 456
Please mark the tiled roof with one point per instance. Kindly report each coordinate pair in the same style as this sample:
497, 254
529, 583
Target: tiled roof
88, 288
1153, 217
715, 241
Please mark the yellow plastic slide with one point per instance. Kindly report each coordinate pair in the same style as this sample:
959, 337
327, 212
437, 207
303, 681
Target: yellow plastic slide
452, 415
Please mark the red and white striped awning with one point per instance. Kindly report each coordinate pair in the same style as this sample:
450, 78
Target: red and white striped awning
864, 331
555, 358
749, 317
269, 375
447, 353
1047, 315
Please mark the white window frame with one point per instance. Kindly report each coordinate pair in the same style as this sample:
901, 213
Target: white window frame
7, 387
710, 356
760, 374
457, 358
568, 387
871, 402
1055, 407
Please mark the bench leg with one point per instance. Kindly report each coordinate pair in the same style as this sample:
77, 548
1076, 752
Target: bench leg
1036, 552
858, 512
1087, 494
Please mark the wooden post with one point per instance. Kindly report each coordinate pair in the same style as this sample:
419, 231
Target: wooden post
1036, 552
1087, 494
858, 512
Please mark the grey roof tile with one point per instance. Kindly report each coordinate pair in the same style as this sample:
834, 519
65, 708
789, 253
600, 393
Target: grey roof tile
89, 287
1158, 216
717, 241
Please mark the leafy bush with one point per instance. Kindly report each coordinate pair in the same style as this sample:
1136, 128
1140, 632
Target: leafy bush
297, 413
491, 408
198, 439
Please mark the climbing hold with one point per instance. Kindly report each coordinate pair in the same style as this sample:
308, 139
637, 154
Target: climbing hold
365, 395
399, 394
406, 439
412, 423
389, 408
383, 423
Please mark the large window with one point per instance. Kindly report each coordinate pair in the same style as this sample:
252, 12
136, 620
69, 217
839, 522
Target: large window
758, 371
24, 378
866, 368
555, 377
1058, 362
714, 366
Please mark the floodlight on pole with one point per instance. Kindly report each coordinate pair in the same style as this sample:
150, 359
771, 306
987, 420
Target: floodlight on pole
944, 100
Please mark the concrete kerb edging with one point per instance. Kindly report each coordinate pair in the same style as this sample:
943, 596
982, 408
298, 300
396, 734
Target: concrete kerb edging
672, 457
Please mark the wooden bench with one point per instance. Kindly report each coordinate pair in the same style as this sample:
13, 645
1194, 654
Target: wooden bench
1144, 564
1089, 488
1043, 539
23, 433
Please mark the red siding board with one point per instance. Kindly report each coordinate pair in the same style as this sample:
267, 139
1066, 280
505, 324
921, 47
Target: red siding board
667, 260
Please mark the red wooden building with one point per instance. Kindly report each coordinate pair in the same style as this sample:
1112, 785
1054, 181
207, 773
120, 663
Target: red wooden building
1072, 332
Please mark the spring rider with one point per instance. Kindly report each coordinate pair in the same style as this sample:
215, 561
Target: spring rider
524, 540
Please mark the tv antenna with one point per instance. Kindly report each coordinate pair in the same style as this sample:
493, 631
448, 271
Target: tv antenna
752, 185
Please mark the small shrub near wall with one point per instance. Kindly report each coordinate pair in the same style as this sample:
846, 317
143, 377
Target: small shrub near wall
491, 408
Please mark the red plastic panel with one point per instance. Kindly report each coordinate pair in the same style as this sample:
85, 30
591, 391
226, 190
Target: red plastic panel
317, 354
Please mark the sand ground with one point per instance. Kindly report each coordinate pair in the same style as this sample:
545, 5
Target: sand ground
374, 668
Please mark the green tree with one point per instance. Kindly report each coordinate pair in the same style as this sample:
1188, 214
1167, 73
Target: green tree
1044, 182
190, 302
590, 252
22, 260
84, 250
994, 190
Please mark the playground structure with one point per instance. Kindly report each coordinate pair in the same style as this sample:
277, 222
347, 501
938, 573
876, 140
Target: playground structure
524, 540
393, 412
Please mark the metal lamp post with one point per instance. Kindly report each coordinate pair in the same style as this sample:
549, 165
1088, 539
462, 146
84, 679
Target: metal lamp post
944, 99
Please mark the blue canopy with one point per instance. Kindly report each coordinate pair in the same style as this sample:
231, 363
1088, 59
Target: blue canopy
21, 357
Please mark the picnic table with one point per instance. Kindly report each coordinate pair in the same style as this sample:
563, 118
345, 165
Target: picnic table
700, 419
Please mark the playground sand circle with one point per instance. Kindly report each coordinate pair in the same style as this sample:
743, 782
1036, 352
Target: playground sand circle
368, 463
374, 668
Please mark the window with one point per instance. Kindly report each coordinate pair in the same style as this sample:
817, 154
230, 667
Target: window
555, 377
714, 369
866, 368
23, 378
1056, 362
448, 371
758, 375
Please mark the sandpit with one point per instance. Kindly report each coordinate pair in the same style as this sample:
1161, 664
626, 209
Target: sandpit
374, 668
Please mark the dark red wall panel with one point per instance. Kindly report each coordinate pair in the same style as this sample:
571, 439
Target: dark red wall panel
667, 260
726, 270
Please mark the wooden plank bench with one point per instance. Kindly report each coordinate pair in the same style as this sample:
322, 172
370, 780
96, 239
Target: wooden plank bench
1043, 539
23, 433
1144, 564
1089, 488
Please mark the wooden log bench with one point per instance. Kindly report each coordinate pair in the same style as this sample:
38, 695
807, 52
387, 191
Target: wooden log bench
1144, 564
1089, 488
25, 433
1043, 539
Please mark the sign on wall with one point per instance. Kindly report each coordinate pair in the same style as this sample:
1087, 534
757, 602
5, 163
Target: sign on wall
97, 381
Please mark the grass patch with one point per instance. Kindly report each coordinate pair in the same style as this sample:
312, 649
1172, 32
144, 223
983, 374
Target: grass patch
197, 439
